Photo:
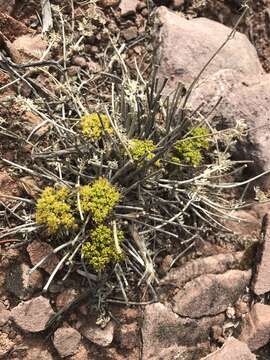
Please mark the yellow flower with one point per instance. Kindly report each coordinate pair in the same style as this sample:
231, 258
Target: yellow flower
93, 125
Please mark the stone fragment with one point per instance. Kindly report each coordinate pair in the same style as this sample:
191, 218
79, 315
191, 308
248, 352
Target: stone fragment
198, 40
165, 335
210, 294
33, 314
245, 101
7, 6
261, 283
256, 329
128, 336
6, 345
22, 284
12, 28
98, 335
216, 264
66, 340
128, 7
66, 297
38, 353
8, 186
130, 33
38, 250
82, 354
232, 349
4, 314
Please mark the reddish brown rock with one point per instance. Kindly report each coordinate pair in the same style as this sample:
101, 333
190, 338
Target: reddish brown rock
4, 314
8, 186
211, 294
12, 28
166, 335
199, 39
245, 100
128, 336
7, 6
66, 340
32, 315
130, 33
5, 345
216, 264
21, 283
98, 335
38, 250
39, 353
82, 354
261, 283
256, 329
128, 7
66, 297
232, 350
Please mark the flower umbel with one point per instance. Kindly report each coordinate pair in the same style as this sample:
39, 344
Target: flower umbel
140, 148
101, 249
93, 125
54, 209
189, 150
99, 199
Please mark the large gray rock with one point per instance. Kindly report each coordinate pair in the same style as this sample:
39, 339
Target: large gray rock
33, 315
216, 264
232, 349
261, 282
246, 99
165, 335
185, 46
210, 294
256, 328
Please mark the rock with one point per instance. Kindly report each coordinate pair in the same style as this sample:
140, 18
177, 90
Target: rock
66, 340
38, 250
65, 298
98, 335
232, 349
7, 6
4, 314
22, 284
128, 7
33, 314
177, 3
39, 353
216, 264
32, 121
261, 283
256, 329
165, 335
6, 345
245, 99
130, 33
12, 28
82, 354
128, 336
8, 186
79, 61
210, 294
30, 47
199, 39
108, 3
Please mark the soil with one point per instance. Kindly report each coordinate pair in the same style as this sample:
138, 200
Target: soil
24, 19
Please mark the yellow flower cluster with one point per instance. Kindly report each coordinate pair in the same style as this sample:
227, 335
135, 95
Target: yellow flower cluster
101, 249
189, 150
140, 148
99, 199
54, 209
93, 125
